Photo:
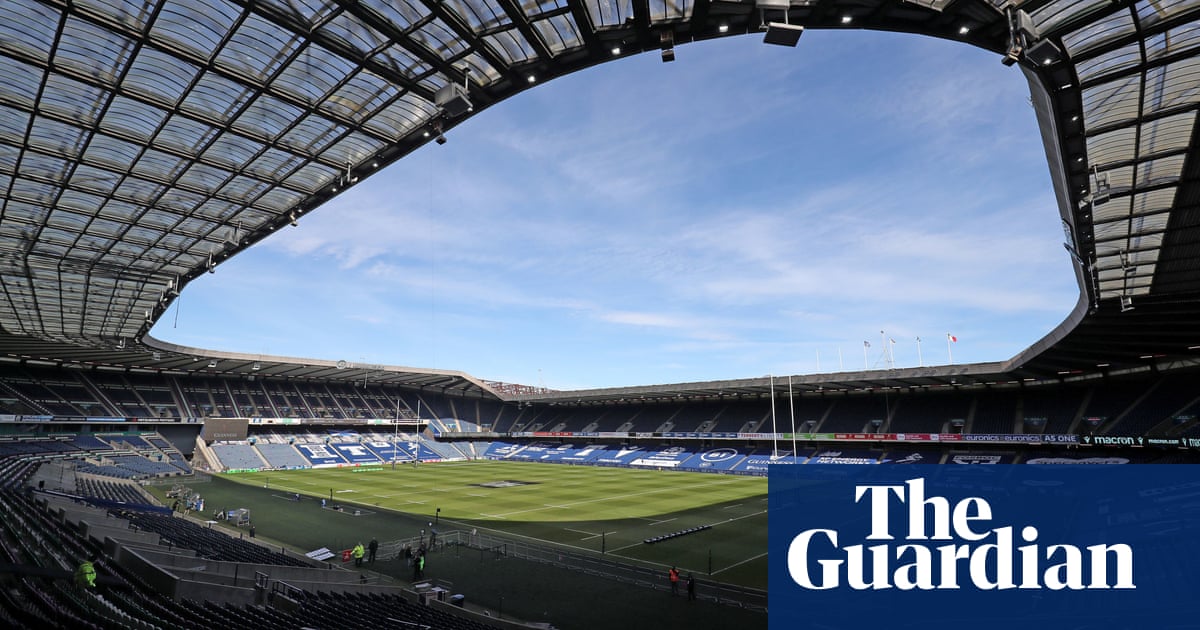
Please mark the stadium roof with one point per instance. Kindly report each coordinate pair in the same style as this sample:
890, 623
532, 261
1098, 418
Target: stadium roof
144, 142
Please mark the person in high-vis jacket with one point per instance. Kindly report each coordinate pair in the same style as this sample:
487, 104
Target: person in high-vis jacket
85, 574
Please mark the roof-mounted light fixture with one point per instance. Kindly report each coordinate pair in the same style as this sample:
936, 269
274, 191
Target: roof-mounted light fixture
779, 33
666, 43
453, 98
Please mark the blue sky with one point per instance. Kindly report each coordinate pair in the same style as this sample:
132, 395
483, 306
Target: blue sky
742, 211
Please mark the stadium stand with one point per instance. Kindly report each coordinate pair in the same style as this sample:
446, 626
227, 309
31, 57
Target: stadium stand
281, 455
238, 456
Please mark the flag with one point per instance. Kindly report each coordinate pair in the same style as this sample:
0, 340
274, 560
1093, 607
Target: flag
893, 341
866, 344
952, 337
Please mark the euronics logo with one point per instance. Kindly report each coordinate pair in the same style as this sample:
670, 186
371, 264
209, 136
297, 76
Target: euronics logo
1004, 546
987, 558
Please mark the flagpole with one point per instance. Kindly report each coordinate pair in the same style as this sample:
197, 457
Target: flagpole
792, 408
949, 351
920, 361
774, 431
866, 345
883, 342
891, 353
818, 361
841, 367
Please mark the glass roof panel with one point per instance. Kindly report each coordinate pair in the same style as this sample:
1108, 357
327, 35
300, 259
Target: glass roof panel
402, 62
32, 191
55, 137
72, 100
95, 180
1166, 134
130, 14
80, 201
204, 178
1099, 33
1113, 61
312, 75
257, 49
216, 209
159, 166
439, 39
1181, 38
93, 52
20, 83
356, 147
402, 13
196, 27
159, 77
533, 8
1172, 85
279, 199
482, 72
27, 28
1112, 102
310, 11
184, 135
312, 177
360, 97
669, 10
350, 30
511, 46
1152, 12
1160, 171
112, 153
311, 135
1153, 201
1057, 12
241, 187
132, 120
230, 152
402, 116
139, 191
215, 98
274, 165
267, 118
558, 33
478, 15
609, 12
13, 124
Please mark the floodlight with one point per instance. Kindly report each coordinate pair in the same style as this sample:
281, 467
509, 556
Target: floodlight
783, 34
1045, 52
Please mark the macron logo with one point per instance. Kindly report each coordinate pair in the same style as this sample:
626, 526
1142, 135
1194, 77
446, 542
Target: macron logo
974, 552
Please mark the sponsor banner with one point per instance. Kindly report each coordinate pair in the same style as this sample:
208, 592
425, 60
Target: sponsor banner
911, 457
987, 547
7, 417
981, 458
1193, 442
1166, 442
1113, 440
36, 418
1065, 461
838, 456
224, 430
1020, 438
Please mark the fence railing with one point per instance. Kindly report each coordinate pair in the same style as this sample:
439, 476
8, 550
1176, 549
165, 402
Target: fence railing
490, 546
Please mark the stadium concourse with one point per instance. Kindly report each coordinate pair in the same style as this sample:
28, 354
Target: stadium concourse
145, 142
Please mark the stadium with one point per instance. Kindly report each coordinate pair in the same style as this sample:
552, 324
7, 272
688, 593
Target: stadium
144, 144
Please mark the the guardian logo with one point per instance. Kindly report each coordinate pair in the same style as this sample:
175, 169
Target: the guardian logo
949, 546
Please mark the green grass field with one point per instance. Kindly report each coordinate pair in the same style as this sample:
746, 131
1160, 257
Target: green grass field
579, 507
